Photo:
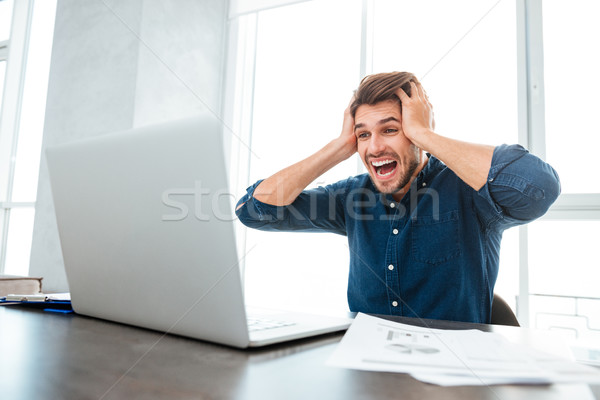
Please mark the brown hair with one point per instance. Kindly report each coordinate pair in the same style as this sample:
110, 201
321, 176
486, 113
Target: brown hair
381, 87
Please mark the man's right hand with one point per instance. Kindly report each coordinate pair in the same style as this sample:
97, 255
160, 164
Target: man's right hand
347, 138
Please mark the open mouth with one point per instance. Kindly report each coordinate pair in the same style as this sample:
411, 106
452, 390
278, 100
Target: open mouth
384, 168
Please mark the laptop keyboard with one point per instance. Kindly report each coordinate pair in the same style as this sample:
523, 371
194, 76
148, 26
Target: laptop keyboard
259, 324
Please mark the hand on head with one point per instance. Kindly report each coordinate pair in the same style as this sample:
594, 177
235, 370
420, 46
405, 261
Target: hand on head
347, 136
417, 111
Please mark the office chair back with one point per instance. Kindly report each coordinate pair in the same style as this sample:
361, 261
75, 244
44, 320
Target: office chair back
502, 313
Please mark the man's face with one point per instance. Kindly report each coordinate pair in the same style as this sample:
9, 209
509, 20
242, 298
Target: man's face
389, 156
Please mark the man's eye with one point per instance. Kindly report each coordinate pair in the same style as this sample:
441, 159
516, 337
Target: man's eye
362, 135
391, 130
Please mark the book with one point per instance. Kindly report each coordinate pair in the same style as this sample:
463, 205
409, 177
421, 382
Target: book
56, 302
19, 284
39, 297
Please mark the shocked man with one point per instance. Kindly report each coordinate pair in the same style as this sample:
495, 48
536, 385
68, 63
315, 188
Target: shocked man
424, 225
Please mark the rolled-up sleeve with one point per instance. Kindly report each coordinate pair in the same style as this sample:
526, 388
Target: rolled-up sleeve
315, 210
520, 188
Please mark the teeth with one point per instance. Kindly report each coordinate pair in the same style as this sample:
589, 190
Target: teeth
380, 163
389, 173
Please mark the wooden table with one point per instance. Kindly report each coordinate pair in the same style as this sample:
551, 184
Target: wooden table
54, 356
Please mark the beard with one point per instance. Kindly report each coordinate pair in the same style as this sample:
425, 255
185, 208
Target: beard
406, 170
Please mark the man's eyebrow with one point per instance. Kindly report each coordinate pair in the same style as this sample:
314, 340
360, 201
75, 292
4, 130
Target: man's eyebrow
381, 122
358, 126
386, 120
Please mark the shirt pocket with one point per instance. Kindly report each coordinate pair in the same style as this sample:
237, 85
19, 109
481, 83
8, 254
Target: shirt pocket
435, 238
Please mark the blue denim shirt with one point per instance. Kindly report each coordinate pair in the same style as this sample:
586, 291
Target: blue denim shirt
434, 254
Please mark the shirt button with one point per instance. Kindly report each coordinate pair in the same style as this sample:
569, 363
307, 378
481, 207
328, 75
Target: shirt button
424, 183
392, 205
395, 303
395, 231
391, 267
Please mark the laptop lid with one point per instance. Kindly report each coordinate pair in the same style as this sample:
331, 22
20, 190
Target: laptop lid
145, 225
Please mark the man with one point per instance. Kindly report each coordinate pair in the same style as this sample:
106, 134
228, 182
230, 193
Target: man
424, 225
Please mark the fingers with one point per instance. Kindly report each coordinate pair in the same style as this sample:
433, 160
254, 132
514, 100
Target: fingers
420, 92
348, 124
425, 96
402, 95
416, 90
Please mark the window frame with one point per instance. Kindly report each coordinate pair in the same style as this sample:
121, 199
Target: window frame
14, 51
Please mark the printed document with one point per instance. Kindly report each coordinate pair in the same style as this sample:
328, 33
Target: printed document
451, 357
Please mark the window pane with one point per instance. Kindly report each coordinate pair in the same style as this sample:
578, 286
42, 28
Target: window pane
562, 258
31, 126
572, 84
564, 278
6, 10
307, 66
20, 232
304, 80
465, 59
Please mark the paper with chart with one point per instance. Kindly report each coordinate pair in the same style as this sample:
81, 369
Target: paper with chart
450, 357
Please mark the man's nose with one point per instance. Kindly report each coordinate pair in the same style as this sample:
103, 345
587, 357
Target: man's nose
376, 144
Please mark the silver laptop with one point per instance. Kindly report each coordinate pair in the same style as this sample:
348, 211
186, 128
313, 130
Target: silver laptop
147, 234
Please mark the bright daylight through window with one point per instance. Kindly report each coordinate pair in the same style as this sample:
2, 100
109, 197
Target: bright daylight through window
313, 74
297, 81
24, 73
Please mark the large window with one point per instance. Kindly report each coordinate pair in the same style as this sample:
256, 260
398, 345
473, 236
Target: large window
563, 265
305, 61
496, 72
26, 31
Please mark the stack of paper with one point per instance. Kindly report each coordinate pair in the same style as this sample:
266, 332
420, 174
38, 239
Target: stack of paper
451, 357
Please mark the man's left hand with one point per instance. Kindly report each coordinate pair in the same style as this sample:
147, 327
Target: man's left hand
417, 113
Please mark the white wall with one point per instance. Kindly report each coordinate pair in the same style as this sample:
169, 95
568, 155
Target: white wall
116, 65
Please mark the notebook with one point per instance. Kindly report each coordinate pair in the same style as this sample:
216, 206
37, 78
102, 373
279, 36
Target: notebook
147, 234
